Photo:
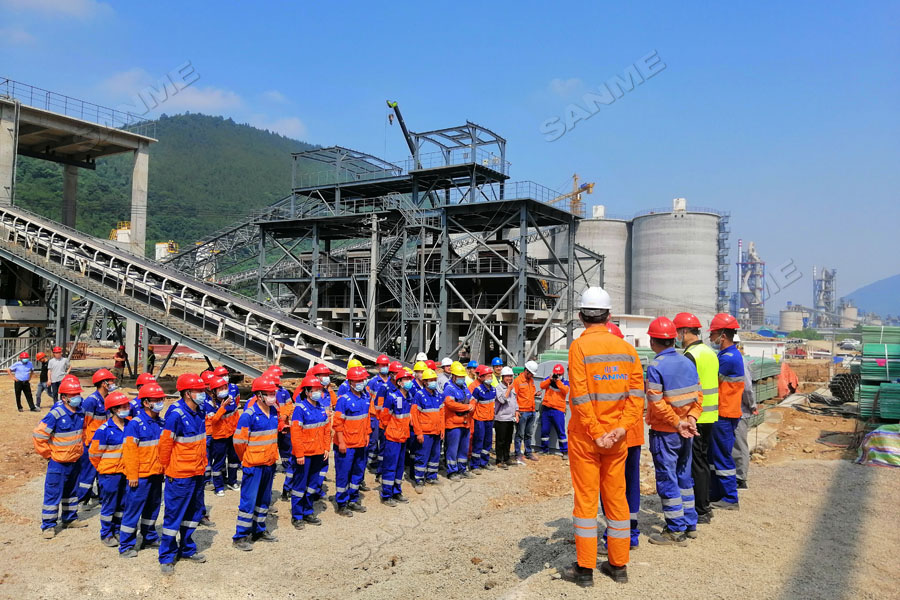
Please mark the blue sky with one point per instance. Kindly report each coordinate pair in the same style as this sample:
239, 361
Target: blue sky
784, 114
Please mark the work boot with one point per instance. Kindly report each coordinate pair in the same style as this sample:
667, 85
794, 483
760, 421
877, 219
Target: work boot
232, 486
75, 524
285, 495
401, 498
565, 456
273, 510
196, 557
454, 476
691, 534
130, 553
220, 493
725, 505
49, 533
153, 544
389, 502
206, 522
364, 488
110, 541
531, 456
705, 518
167, 569
312, 520
419, 487
467, 474
344, 511
504, 466
242, 543
489, 467
297, 523
264, 536
742, 484
578, 575
617, 574
669, 538
356, 507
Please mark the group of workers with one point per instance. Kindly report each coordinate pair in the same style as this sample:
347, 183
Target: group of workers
407, 421
693, 398
50, 374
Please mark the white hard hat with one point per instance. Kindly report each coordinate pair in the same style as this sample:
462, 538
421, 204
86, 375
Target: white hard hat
532, 366
595, 298
446, 361
421, 356
506, 371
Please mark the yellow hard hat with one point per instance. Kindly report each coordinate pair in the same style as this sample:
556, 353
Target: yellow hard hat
457, 369
429, 374
354, 363
420, 366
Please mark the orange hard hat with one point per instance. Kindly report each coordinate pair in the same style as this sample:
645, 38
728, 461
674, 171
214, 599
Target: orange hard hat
614, 329
189, 381
70, 385
684, 319
101, 375
40, 355
662, 328
723, 321
558, 369
264, 384
144, 379
151, 390
115, 399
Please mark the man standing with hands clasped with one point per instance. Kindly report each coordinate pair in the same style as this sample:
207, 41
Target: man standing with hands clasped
606, 397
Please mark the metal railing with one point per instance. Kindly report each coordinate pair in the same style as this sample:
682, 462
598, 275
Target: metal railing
690, 209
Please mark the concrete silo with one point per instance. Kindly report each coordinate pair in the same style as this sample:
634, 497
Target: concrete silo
610, 237
674, 262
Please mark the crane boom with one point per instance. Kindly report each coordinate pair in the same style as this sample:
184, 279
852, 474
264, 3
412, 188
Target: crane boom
406, 135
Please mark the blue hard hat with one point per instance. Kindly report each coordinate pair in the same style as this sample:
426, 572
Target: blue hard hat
472, 364
497, 362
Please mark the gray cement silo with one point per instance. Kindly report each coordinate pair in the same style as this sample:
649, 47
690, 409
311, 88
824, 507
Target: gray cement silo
674, 262
610, 237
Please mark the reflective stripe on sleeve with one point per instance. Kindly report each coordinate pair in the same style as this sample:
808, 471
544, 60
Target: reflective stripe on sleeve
598, 397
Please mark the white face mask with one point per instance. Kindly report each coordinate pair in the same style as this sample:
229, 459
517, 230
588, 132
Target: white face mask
270, 400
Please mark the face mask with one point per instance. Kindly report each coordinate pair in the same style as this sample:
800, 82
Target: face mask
112, 387
200, 397
222, 395
383, 370
123, 413
407, 385
461, 381
270, 400
157, 407
315, 396
325, 380
432, 385
679, 342
25, 361
74, 401
359, 386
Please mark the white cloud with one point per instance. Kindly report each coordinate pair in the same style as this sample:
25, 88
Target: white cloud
15, 36
126, 82
291, 127
202, 99
82, 9
274, 96
135, 90
566, 87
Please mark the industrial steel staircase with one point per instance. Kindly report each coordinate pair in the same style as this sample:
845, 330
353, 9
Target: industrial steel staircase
227, 328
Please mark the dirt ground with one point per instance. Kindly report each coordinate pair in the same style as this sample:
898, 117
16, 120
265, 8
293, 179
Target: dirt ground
813, 525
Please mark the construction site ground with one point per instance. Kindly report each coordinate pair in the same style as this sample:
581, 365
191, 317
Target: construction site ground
812, 525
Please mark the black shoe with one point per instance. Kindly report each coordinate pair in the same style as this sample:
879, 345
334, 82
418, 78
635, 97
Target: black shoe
364, 488
578, 575
205, 522
356, 507
531, 457
297, 523
197, 558
34, 409
242, 544
617, 574
724, 505
669, 538
312, 520
489, 467
504, 466
344, 510
742, 484
21, 410
264, 536
401, 498
285, 495
389, 502
705, 518
153, 544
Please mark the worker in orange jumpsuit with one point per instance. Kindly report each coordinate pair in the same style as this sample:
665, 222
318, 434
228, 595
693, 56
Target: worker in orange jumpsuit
526, 392
94, 416
723, 492
106, 456
606, 398
220, 426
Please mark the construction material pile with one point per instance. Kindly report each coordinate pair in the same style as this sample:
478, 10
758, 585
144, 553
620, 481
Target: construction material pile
879, 371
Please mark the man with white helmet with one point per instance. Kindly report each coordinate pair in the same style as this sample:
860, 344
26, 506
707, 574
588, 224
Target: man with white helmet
421, 356
443, 376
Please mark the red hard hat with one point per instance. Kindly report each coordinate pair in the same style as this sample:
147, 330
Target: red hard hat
723, 321
431, 364
357, 374
320, 369
684, 319
216, 382
395, 366
144, 379
56, 349
151, 390
40, 355
275, 370
273, 377
662, 328
23, 355
310, 381
121, 347
115, 399
382, 360
220, 371
70, 385
101, 375
206, 377
264, 384
483, 370
614, 329
403, 374
189, 381
558, 369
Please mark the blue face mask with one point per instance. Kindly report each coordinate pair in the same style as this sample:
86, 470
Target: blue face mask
112, 387
461, 381
679, 342
25, 361
325, 380
125, 412
407, 385
383, 370
359, 386
222, 395
75, 401
315, 396
158, 407
432, 385
200, 397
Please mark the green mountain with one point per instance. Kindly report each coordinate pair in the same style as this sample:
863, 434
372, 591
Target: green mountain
205, 172
881, 297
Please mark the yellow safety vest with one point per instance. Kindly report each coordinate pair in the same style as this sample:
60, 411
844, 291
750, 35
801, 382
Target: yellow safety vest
708, 368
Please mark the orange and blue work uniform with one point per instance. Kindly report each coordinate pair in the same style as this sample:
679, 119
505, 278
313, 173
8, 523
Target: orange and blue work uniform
256, 443
484, 395
94, 416
673, 395
396, 419
553, 413
106, 456
606, 393
723, 484
351, 419
223, 460
373, 388
310, 440
140, 454
526, 392
285, 404
457, 402
427, 416
59, 437
381, 392
182, 453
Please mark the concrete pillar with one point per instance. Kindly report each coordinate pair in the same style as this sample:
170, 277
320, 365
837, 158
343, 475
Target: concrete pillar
131, 343
62, 317
70, 192
7, 151
139, 199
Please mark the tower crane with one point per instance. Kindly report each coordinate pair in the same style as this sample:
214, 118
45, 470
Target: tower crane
575, 194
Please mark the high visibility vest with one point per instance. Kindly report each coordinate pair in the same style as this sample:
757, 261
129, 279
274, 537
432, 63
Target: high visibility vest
708, 369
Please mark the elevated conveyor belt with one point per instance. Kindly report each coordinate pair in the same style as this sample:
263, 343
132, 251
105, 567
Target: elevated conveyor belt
228, 328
